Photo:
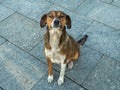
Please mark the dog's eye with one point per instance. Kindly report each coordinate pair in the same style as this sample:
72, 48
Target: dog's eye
51, 16
60, 16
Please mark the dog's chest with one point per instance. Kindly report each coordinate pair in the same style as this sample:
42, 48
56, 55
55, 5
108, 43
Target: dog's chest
54, 56
54, 53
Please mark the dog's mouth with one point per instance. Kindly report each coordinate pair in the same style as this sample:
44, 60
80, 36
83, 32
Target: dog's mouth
56, 26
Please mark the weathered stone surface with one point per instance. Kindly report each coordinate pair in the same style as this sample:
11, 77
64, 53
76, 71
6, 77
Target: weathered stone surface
1, 88
107, 1
116, 3
38, 51
44, 85
2, 40
19, 70
79, 25
21, 31
71, 5
86, 7
31, 8
106, 14
104, 39
105, 75
1, 1
5, 12
38, 1
83, 66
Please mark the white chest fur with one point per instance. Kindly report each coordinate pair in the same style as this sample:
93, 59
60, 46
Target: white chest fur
54, 53
54, 56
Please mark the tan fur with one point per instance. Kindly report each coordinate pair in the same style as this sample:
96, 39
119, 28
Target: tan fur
50, 71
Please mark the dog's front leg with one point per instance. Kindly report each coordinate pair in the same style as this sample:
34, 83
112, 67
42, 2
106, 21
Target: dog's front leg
50, 70
62, 72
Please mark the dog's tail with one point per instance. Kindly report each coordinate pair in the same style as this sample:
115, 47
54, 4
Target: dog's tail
83, 40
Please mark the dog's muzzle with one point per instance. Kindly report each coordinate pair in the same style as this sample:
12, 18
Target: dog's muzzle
56, 23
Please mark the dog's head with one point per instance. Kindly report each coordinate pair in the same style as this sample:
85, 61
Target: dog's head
55, 19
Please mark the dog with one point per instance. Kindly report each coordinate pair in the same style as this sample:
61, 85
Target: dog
59, 46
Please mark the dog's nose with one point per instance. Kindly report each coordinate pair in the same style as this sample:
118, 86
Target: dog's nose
56, 22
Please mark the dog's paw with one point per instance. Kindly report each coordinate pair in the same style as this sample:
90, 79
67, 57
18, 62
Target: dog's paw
50, 79
70, 65
60, 81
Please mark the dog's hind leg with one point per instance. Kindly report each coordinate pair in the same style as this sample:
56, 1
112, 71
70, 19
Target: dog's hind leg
70, 65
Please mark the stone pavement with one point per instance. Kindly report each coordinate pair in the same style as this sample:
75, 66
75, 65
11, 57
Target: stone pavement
22, 62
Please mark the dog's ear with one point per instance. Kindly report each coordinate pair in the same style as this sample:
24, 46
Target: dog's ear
68, 21
43, 21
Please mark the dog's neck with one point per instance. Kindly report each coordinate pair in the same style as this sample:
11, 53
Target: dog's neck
55, 36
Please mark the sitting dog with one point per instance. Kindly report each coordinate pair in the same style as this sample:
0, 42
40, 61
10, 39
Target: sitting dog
59, 46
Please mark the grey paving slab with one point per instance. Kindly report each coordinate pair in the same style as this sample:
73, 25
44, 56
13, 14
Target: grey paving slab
71, 5
116, 3
5, 12
1, 1
105, 76
11, 85
5, 76
86, 7
83, 66
107, 1
106, 14
79, 25
67, 85
38, 0
104, 39
2, 40
21, 31
31, 8
1, 88
38, 51
19, 70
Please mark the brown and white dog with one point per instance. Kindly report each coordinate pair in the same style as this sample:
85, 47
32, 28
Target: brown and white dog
59, 46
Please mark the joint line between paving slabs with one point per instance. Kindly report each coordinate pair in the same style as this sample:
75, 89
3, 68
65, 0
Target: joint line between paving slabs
3, 38
85, 30
1, 88
36, 45
27, 52
93, 68
106, 25
27, 17
76, 82
7, 17
79, 5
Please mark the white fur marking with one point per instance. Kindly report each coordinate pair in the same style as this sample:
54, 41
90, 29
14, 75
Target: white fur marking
70, 65
54, 56
52, 24
50, 79
62, 72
